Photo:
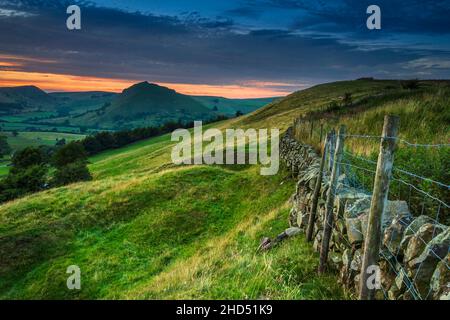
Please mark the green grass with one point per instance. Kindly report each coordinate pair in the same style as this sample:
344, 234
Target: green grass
424, 119
131, 236
37, 138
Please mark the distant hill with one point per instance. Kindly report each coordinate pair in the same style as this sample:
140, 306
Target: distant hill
231, 106
144, 104
80, 102
24, 98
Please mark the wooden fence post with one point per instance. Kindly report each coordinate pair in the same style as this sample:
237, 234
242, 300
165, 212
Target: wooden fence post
315, 199
311, 122
377, 206
331, 150
328, 228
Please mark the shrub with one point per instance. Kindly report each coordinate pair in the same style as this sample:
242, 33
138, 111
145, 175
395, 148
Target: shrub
347, 99
71, 152
410, 84
70, 173
21, 182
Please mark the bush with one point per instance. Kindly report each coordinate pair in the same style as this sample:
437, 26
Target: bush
72, 152
70, 173
410, 84
347, 100
21, 182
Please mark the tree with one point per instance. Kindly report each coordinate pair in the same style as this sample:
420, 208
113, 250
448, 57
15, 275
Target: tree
5, 149
70, 173
239, 113
15, 133
28, 174
60, 142
29, 179
71, 152
27, 157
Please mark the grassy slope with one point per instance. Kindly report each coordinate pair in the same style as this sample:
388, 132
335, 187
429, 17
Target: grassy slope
146, 229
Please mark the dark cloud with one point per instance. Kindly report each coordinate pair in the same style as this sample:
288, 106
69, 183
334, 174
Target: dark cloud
194, 49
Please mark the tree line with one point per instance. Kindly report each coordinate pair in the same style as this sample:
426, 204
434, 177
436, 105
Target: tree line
105, 140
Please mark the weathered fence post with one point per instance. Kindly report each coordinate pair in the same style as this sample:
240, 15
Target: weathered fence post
311, 122
328, 228
331, 151
377, 206
315, 199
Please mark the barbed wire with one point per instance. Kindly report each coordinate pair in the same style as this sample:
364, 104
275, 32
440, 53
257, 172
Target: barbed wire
423, 178
409, 283
421, 191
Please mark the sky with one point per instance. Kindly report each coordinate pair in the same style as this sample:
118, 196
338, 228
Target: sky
231, 48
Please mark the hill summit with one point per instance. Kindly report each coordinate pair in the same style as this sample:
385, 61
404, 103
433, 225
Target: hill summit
16, 99
146, 103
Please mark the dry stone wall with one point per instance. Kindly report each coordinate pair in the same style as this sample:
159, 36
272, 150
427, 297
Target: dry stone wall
414, 249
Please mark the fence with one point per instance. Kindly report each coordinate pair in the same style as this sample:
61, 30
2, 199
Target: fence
404, 247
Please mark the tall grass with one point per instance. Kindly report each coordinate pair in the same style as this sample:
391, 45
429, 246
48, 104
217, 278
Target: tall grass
424, 119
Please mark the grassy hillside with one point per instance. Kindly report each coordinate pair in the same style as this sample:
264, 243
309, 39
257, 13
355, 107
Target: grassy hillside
144, 104
146, 229
23, 98
424, 118
231, 106
80, 102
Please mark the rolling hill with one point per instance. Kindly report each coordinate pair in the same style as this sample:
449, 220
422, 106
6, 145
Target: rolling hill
231, 106
144, 228
22, 99
79, 102
144, 104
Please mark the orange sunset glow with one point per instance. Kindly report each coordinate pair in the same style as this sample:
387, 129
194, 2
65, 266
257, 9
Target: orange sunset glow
60, 82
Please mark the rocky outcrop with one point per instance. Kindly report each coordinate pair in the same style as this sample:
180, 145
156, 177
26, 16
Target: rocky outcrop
414, 259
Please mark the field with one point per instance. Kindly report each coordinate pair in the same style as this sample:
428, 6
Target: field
37, 138
144, 228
